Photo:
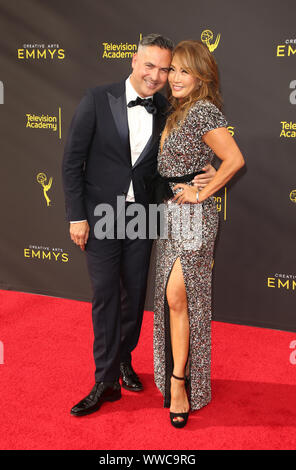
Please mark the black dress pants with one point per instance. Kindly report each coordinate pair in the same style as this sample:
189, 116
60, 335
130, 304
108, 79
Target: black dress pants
118, 270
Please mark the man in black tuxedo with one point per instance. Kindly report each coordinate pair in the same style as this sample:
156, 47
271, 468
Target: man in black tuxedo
111, 151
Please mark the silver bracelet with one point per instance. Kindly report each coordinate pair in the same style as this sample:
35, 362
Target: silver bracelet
197, 194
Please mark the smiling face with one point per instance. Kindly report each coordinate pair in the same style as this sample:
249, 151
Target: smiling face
181, 81
150, 69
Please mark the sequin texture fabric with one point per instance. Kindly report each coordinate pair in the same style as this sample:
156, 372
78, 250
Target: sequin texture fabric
183, 153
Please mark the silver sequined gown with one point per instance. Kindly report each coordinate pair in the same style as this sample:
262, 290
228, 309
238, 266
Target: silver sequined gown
191, 238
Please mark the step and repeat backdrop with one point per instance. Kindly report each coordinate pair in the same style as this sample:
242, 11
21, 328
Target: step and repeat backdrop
51, 52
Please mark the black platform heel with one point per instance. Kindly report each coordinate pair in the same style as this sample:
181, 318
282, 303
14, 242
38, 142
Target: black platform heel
179, 424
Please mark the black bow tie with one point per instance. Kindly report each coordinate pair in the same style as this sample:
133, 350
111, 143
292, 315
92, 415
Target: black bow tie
146, 102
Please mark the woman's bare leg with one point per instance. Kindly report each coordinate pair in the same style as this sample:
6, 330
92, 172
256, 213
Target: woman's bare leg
179, 323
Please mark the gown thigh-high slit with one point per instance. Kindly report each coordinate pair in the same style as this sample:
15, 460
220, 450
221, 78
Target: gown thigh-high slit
191, 233
169, 349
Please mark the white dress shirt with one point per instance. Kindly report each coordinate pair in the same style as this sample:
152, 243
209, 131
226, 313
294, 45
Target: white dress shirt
140, 124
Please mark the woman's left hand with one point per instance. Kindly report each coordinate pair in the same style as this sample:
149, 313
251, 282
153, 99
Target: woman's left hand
187, 195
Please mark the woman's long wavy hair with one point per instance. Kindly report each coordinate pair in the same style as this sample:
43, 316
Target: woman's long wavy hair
199, 62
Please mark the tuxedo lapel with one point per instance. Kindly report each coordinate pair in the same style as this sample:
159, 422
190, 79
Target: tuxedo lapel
157, 126
119, 111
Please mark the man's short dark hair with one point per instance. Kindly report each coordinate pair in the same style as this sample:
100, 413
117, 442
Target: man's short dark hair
158, 40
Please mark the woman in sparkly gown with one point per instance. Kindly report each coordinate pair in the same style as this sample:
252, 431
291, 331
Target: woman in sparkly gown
195, 130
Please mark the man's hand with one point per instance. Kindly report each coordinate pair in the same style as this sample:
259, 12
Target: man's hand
79, 233
200, 181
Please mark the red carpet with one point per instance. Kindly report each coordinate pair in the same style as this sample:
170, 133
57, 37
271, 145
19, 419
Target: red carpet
48, 367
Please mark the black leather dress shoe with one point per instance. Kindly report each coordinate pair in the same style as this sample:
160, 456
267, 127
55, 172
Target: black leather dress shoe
130, 380
101, 392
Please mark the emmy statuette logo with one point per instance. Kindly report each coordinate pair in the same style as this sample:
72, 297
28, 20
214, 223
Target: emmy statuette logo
207, 36
41, 179
293, 195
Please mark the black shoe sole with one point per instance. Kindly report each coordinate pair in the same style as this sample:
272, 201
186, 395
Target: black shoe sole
132, 389
87, 412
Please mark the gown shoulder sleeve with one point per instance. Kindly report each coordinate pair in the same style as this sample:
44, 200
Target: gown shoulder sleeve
204, 116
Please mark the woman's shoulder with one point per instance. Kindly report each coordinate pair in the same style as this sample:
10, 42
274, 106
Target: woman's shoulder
206, 116
204, 106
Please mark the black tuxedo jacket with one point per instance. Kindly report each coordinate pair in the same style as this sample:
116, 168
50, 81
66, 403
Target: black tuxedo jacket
97, 160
